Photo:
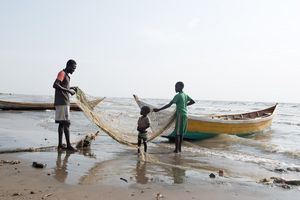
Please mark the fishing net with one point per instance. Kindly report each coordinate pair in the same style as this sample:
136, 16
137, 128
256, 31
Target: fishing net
119, 119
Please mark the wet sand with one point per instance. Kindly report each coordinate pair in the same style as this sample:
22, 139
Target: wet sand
22, 181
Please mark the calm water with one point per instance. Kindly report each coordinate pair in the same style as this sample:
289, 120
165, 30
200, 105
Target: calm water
245, 160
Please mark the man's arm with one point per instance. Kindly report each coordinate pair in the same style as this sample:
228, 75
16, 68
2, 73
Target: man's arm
75, 88
58, 86
162, 108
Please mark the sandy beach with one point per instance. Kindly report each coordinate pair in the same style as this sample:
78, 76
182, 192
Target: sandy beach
22, 181
109, 170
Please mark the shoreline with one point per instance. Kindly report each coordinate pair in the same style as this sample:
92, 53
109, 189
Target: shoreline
22, 181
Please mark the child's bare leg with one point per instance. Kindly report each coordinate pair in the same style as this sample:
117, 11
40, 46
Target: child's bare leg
145, 145
139, 145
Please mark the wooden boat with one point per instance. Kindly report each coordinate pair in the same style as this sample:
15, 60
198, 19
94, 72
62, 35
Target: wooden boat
242, 124
235, 124
12, 105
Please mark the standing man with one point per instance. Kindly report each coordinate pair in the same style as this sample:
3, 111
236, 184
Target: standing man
62, 103
181, 100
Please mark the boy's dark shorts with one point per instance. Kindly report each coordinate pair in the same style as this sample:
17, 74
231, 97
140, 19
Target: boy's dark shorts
142, 136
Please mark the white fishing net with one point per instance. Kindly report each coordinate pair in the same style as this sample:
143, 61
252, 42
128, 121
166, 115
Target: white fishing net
119, 119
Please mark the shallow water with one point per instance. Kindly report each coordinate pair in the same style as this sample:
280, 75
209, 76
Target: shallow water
245, 160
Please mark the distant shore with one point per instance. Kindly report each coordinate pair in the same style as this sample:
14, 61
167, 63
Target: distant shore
22, 181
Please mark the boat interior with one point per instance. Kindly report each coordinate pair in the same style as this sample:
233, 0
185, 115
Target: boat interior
246, 116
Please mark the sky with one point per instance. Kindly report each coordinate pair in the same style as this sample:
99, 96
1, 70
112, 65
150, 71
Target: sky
233, 50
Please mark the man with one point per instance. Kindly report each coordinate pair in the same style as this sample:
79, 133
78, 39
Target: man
181, 100
62, 103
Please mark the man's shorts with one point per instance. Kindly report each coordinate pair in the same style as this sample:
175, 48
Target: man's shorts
62, 114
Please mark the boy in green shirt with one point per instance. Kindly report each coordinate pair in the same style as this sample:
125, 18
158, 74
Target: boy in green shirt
181, 100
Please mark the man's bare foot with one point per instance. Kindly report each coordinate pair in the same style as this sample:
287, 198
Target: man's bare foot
61, 147
70, 148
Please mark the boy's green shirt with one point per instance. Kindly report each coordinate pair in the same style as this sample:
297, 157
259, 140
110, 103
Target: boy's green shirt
181, 99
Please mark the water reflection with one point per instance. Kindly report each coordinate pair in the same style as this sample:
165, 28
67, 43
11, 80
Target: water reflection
60, 170
141, 172
87, 152
168, 168
165, 168
178, 173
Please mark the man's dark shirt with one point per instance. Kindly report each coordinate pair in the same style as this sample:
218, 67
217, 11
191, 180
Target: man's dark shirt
62, 97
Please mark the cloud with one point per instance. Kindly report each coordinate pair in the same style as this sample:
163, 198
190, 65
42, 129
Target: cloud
160, 36
194, 23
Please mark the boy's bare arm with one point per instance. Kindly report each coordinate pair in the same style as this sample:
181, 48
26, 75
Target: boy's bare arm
191, 102
148, 125
162, 108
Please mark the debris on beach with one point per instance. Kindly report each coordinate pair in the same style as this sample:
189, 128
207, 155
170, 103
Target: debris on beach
294, 169
293, 182
264, 180
159, 196
47, 195
212, 175
38, 165
16, 194
286, 184
11, 162
278, 180
221, 172
30, 149
280, 170
123, 179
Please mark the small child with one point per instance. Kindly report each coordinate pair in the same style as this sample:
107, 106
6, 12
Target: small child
143, 124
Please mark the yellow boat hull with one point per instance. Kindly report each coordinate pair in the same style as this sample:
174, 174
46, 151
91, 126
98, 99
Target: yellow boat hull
237, 124
227, 128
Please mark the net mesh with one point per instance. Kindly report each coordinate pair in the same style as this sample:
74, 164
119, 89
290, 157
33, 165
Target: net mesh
119, 120
120, 124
